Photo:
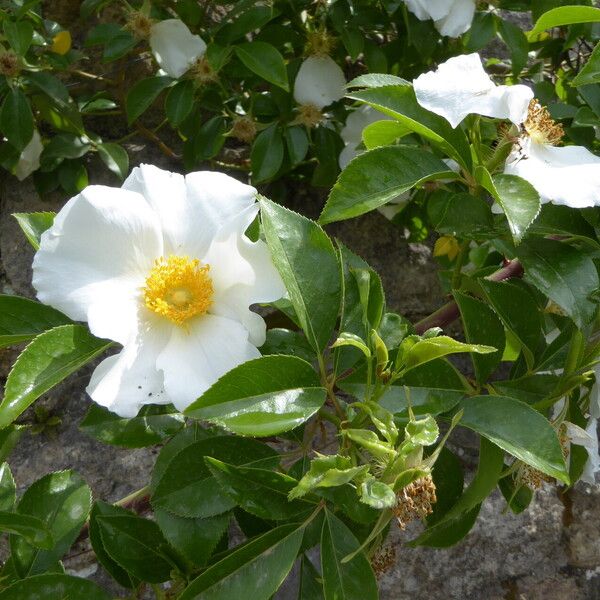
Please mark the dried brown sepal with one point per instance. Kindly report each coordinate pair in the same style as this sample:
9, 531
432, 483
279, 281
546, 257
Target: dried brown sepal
383, 560
415, 501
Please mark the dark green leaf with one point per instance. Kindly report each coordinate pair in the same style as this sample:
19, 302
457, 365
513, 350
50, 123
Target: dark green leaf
115, 157
22, 319
19, 35
141, 96
62, 501
46, 361
52, 587
518, 429
33, 225
16, 119
591, 71
310, 587
255, 570
461, 214
308, 265
267, 154
179, 101
264, 60
31, 529
149, 427
262, 397
8, 490
297, 143
49, 85
351, 580
378, 176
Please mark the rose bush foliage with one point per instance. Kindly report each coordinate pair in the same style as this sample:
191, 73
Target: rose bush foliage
315, 437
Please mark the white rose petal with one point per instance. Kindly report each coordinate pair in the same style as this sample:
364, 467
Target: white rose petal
352, 131
175, 47
567, 175
29, 161
460, 87
458, 19
95, 261
592, 466
320, 81
429, 9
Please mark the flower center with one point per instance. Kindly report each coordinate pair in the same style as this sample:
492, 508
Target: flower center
178, 288
309, 115
540, 126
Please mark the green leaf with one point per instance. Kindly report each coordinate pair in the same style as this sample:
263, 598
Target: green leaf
262, 397
563, 273
179, 102
429, 349
264, 60
46, 361
210, 138
460, 215
519, 312
351, 580
9, 436
310, 586
267, 154
399, 102
457, 521
383, 133
421, 432
517, 44
590, 73
564, 15
188, 489
308, 265
255, 570
149, 427
49, 85
115, 157
19, 35
375, 80
117, 572
297, 143
260, 492
518, 198
518, 429
377, 494
16, 119
64, 145
34, 224
377, 176
194, 539
481, 326
31, 529
62, 501
8, 490
136, 544
54, 586
22, 319
141, 96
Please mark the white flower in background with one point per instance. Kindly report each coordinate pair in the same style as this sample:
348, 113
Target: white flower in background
588, 438
175, 47
29, 160
162, 266
460, 86
320, 81
567, 175
450, 17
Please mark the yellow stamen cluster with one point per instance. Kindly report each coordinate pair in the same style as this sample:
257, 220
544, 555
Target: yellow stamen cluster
415, 501
319, 43
139, 24
309, 115
178, 288
532, 478
383, 560
540, 126
244, 129
202, 71
9, 63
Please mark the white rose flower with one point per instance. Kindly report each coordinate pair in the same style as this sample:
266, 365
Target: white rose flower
567, 175
29, 160
175, 47
460, 86
451, 17
162, 266
319, 82
587, 438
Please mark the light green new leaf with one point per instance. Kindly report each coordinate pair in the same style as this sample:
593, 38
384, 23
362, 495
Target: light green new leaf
264, 60
383, 133
262, 397
377, 176
22, 319
429, 349
377, 494
255, 570
34, 224
564, 15
518, 429
62, 501
308, 265
518, 198
46, 361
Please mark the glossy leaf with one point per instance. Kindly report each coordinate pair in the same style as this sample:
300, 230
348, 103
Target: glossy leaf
31, 529
590, 73
430, 349
8, 489
16, 119
565, 15
310, 587
179, 101
115, 157
142, 94
264, 60
267, 154
34, 224
255, 570
351, 580
62, 501
308, 265
22, 319
459, 214
262, 397
375, 177
518, 429
47, 360
53, 586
